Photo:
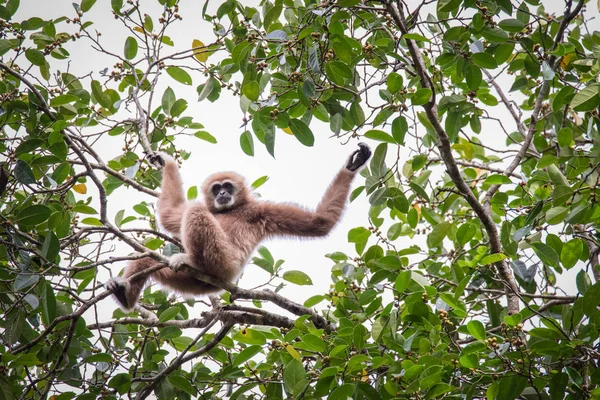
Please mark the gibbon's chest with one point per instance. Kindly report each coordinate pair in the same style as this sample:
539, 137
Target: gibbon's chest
240, 230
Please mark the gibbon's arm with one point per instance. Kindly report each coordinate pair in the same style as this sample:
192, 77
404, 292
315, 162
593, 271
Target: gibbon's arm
172, 201
282, 219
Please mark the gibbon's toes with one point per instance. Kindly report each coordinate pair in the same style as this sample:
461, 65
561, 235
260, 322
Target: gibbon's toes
158, 160
359, 157
118, 287
176, 261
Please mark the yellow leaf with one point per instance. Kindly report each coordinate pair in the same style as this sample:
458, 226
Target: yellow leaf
80, 188
365, 376
290, 349
288, 130
202, 54
417, 207
566, 60
140, 30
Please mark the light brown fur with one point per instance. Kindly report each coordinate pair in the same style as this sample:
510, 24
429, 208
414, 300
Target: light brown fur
219, 241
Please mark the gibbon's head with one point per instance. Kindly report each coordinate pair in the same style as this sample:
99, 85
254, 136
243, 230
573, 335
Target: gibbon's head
224, 191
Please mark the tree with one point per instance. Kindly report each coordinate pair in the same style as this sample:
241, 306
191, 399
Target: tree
489, 213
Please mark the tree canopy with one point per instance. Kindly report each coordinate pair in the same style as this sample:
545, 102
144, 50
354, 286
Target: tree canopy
476, 277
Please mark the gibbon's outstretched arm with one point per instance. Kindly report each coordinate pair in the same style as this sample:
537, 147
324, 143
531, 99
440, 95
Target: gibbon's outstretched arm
282, 219
172, 201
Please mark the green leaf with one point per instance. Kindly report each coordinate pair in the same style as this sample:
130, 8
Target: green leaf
587, 99
183, 384
302, 132
394, 82
33, 215
251, 90
415, 37
438, 233
179, 107
247, 143
511, 25
131, 48
23, 173
546, 254
455, 303
168, 99
297, 277
380, 136
180, 75
169, 314
484, 60
259, 182
120, 382
294, 377
102, 98
206, 136
338, 72
556, 215
399, 129
170, 332
92, 221
358, 235
497, 179
402, 281
36, 57
48, 304
473, 77
421, 96
476, 329
86, 5
571, 252
492, 258
246, 354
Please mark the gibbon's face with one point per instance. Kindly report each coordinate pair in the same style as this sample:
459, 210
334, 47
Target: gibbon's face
224, 191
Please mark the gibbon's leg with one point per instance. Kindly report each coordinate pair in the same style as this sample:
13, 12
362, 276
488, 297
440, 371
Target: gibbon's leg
207, 246
172, 201
127, 293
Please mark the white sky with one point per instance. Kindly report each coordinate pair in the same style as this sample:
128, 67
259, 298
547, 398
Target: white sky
298, 174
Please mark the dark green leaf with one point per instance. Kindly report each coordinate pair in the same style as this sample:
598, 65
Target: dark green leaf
302, 132
33, 215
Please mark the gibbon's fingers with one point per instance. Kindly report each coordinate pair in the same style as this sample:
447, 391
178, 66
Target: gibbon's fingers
359, 157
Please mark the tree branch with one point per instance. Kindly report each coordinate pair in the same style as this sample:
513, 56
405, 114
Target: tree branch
453, 171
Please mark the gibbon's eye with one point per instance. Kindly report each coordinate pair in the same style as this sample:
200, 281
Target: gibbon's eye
216, 189
228, 186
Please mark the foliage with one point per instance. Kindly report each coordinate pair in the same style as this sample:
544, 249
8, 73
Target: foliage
456, 287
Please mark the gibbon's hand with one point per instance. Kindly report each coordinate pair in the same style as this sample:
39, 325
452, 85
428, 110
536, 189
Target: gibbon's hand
359, 157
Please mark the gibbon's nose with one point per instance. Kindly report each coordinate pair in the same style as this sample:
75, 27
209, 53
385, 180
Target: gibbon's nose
222, 193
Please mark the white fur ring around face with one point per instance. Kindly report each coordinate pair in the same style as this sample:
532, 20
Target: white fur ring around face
179, 259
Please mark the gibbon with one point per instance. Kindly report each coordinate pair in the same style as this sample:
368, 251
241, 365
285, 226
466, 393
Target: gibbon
220, 235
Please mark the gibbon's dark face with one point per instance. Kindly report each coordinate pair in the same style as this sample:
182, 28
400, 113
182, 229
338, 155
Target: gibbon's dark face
223, 193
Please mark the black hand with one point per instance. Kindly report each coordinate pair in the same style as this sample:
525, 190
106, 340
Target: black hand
359, 157
156, 160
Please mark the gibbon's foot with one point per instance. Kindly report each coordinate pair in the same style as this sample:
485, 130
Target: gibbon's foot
118, 286
176, 261
359, 157
160, 159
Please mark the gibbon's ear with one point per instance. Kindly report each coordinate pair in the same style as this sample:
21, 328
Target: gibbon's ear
359, 157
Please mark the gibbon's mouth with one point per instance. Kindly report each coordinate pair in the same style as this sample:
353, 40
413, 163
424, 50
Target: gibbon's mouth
224, 200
